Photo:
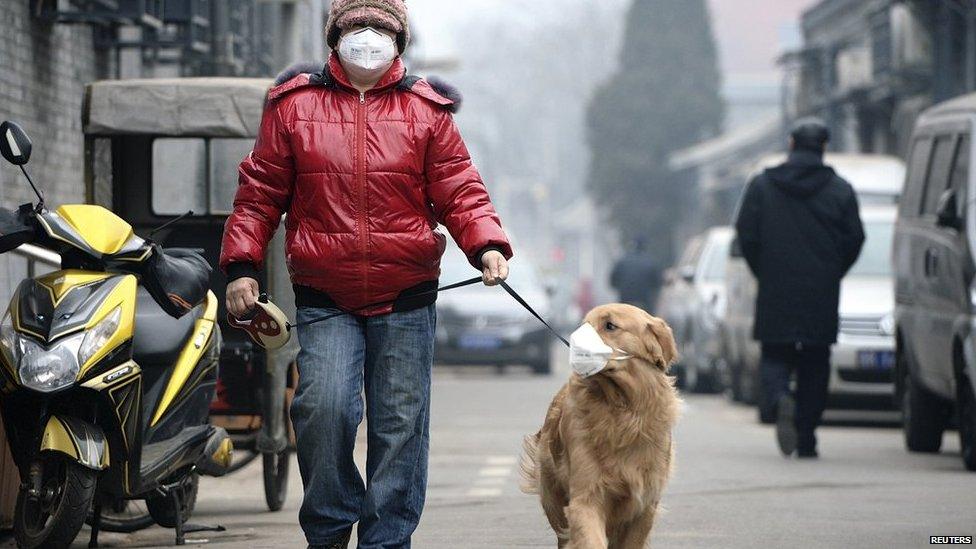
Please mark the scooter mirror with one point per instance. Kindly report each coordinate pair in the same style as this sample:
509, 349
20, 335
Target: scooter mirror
15, 146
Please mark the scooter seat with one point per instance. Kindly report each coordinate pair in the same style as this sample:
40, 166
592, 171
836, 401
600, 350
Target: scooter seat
159, 337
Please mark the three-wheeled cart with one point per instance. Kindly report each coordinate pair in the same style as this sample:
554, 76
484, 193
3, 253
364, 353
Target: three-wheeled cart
157, 149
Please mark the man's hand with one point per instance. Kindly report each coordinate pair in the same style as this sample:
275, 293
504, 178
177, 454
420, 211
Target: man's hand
495, 267
242, 294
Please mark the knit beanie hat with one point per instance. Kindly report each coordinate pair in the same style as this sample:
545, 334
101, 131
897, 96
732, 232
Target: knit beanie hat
386, 14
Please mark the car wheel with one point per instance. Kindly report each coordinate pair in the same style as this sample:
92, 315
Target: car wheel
678, 371
713, 381
922, 415
691, 378
966, 405
735, 384
749, 385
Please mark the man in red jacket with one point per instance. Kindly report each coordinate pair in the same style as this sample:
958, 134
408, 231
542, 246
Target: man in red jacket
366, 161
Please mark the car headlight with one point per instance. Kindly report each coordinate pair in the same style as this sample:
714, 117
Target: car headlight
887, 325
97, 337
48, 369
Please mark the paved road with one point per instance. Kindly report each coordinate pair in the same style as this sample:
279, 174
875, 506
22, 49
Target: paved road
731, 489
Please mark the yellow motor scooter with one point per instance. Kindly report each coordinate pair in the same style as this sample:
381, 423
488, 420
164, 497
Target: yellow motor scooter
107, 370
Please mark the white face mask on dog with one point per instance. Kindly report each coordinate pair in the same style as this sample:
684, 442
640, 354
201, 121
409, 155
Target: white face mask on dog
588, 353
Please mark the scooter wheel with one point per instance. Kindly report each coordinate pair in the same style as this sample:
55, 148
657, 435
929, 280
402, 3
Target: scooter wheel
123, 516
275, 479
54, 520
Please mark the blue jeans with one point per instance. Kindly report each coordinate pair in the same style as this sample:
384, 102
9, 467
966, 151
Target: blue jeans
388, 358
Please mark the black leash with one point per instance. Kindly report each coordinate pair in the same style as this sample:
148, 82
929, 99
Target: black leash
529, 308
456, 285
469, 282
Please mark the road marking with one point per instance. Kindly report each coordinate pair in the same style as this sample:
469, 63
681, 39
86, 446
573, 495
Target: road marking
492, 477
494, 471
484, 492
501, 460
490, 481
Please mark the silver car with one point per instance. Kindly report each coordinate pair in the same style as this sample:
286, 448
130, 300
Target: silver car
703, 356
477, 325
863, 359
676, 302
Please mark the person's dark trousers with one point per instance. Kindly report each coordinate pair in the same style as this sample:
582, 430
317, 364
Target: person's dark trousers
388, 360
812, 366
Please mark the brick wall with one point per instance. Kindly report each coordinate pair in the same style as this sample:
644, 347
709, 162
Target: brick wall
43, 70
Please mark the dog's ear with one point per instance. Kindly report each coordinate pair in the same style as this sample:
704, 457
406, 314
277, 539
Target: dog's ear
660, 343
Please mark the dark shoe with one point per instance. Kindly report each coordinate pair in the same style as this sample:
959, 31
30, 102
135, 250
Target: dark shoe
341, 542
785, 427
804, 453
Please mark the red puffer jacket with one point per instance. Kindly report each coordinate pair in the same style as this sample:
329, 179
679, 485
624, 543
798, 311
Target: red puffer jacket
365, 179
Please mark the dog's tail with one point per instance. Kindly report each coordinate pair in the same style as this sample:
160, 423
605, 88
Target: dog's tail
529, 464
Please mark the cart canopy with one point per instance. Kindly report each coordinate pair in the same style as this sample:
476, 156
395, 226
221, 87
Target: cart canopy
200, 107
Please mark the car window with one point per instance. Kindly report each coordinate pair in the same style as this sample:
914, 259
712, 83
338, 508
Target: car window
715, 259
915, 181
225, 157
960, 174
938, 179
875, 258
179, 176
692, 251
196, 174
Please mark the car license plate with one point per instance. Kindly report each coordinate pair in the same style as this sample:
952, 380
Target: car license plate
479, 342
876, 360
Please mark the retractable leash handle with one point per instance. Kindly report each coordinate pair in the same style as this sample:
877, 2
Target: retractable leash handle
266, 324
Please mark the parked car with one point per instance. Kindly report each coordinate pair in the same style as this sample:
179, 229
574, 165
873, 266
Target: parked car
877, 180
935, 296
701, 349
676, 301
863, 360
481, 325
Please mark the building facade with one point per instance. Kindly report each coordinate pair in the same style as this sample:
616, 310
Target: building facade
53, 48
869, 67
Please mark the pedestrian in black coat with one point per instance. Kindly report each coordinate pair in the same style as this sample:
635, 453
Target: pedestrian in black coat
800, 231
636, 277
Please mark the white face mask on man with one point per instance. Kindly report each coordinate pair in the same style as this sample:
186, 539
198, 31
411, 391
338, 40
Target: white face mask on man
369, 51
588, 353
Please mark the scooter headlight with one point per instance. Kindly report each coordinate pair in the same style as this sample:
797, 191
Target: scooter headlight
97, 337
48, 369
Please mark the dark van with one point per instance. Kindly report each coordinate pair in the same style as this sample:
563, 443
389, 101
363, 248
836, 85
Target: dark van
935, 311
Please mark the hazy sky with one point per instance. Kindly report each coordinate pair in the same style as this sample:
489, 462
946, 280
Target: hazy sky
749, 32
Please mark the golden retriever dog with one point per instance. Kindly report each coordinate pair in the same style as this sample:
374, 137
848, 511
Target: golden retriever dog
603, 455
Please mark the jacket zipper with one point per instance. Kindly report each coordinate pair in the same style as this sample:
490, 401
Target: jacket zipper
361, 176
